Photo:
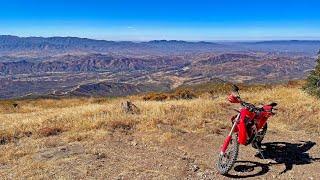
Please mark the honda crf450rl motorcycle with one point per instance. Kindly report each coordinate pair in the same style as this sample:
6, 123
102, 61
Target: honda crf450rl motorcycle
248, 127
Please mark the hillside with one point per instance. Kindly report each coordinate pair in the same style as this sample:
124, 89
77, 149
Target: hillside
94, 138
59, 75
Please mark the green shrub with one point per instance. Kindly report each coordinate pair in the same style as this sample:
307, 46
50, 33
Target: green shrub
313, 82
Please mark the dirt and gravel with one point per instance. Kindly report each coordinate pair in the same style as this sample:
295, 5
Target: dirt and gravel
119, 155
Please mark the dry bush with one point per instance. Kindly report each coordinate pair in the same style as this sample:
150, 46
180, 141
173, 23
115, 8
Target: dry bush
295, 83
155, 97
178, 94
182, 94
211, 87
7, 106
48, 131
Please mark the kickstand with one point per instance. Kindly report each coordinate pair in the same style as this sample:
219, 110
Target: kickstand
260, 152
262, 156
258, 146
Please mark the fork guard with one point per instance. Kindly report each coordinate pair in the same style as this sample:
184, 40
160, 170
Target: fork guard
225, 145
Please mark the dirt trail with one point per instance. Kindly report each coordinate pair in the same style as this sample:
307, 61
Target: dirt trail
188, 156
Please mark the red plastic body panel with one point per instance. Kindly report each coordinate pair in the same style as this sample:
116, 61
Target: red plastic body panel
267, 107
263, 117
225, 144
243, 134
261, 122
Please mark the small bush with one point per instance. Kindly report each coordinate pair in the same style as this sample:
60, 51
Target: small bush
313, 81
179, 94
48, 131
183, 94
155, 97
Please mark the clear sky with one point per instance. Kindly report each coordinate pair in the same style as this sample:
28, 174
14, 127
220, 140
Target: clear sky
163, 19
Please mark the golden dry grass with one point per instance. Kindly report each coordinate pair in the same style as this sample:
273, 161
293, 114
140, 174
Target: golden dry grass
297, 110
34, 124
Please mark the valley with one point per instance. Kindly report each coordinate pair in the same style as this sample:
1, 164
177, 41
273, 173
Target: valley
55, 67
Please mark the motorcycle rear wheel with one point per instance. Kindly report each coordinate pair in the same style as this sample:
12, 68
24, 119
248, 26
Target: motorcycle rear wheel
227, 160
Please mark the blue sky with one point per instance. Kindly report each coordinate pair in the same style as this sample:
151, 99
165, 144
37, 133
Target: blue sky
146, 20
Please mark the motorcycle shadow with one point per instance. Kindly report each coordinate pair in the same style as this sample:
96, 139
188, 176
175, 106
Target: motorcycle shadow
289, 154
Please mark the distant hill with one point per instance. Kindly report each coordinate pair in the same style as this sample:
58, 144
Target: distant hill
293, 46
112, 89
13, 45
40, 46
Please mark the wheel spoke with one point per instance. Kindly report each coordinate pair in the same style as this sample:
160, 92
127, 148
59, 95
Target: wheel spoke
227, 160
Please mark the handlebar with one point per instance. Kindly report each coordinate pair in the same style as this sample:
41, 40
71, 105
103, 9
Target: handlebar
250, 107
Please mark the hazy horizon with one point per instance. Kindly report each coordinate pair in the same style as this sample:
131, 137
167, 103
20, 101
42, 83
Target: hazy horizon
222, 41
141, 20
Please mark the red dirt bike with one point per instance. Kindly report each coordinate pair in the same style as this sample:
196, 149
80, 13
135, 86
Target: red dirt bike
249, 126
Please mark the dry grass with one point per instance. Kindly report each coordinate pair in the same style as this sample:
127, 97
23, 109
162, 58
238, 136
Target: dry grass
38, 124
297, 110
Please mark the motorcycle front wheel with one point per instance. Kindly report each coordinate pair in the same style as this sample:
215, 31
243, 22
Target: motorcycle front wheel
227, 160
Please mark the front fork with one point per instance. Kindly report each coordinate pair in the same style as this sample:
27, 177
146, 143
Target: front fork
228, 139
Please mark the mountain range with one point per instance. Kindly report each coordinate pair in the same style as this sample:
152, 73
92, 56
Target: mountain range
71, 66
40, 46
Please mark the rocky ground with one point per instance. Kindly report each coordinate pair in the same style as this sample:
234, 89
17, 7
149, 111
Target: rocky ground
122, 155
